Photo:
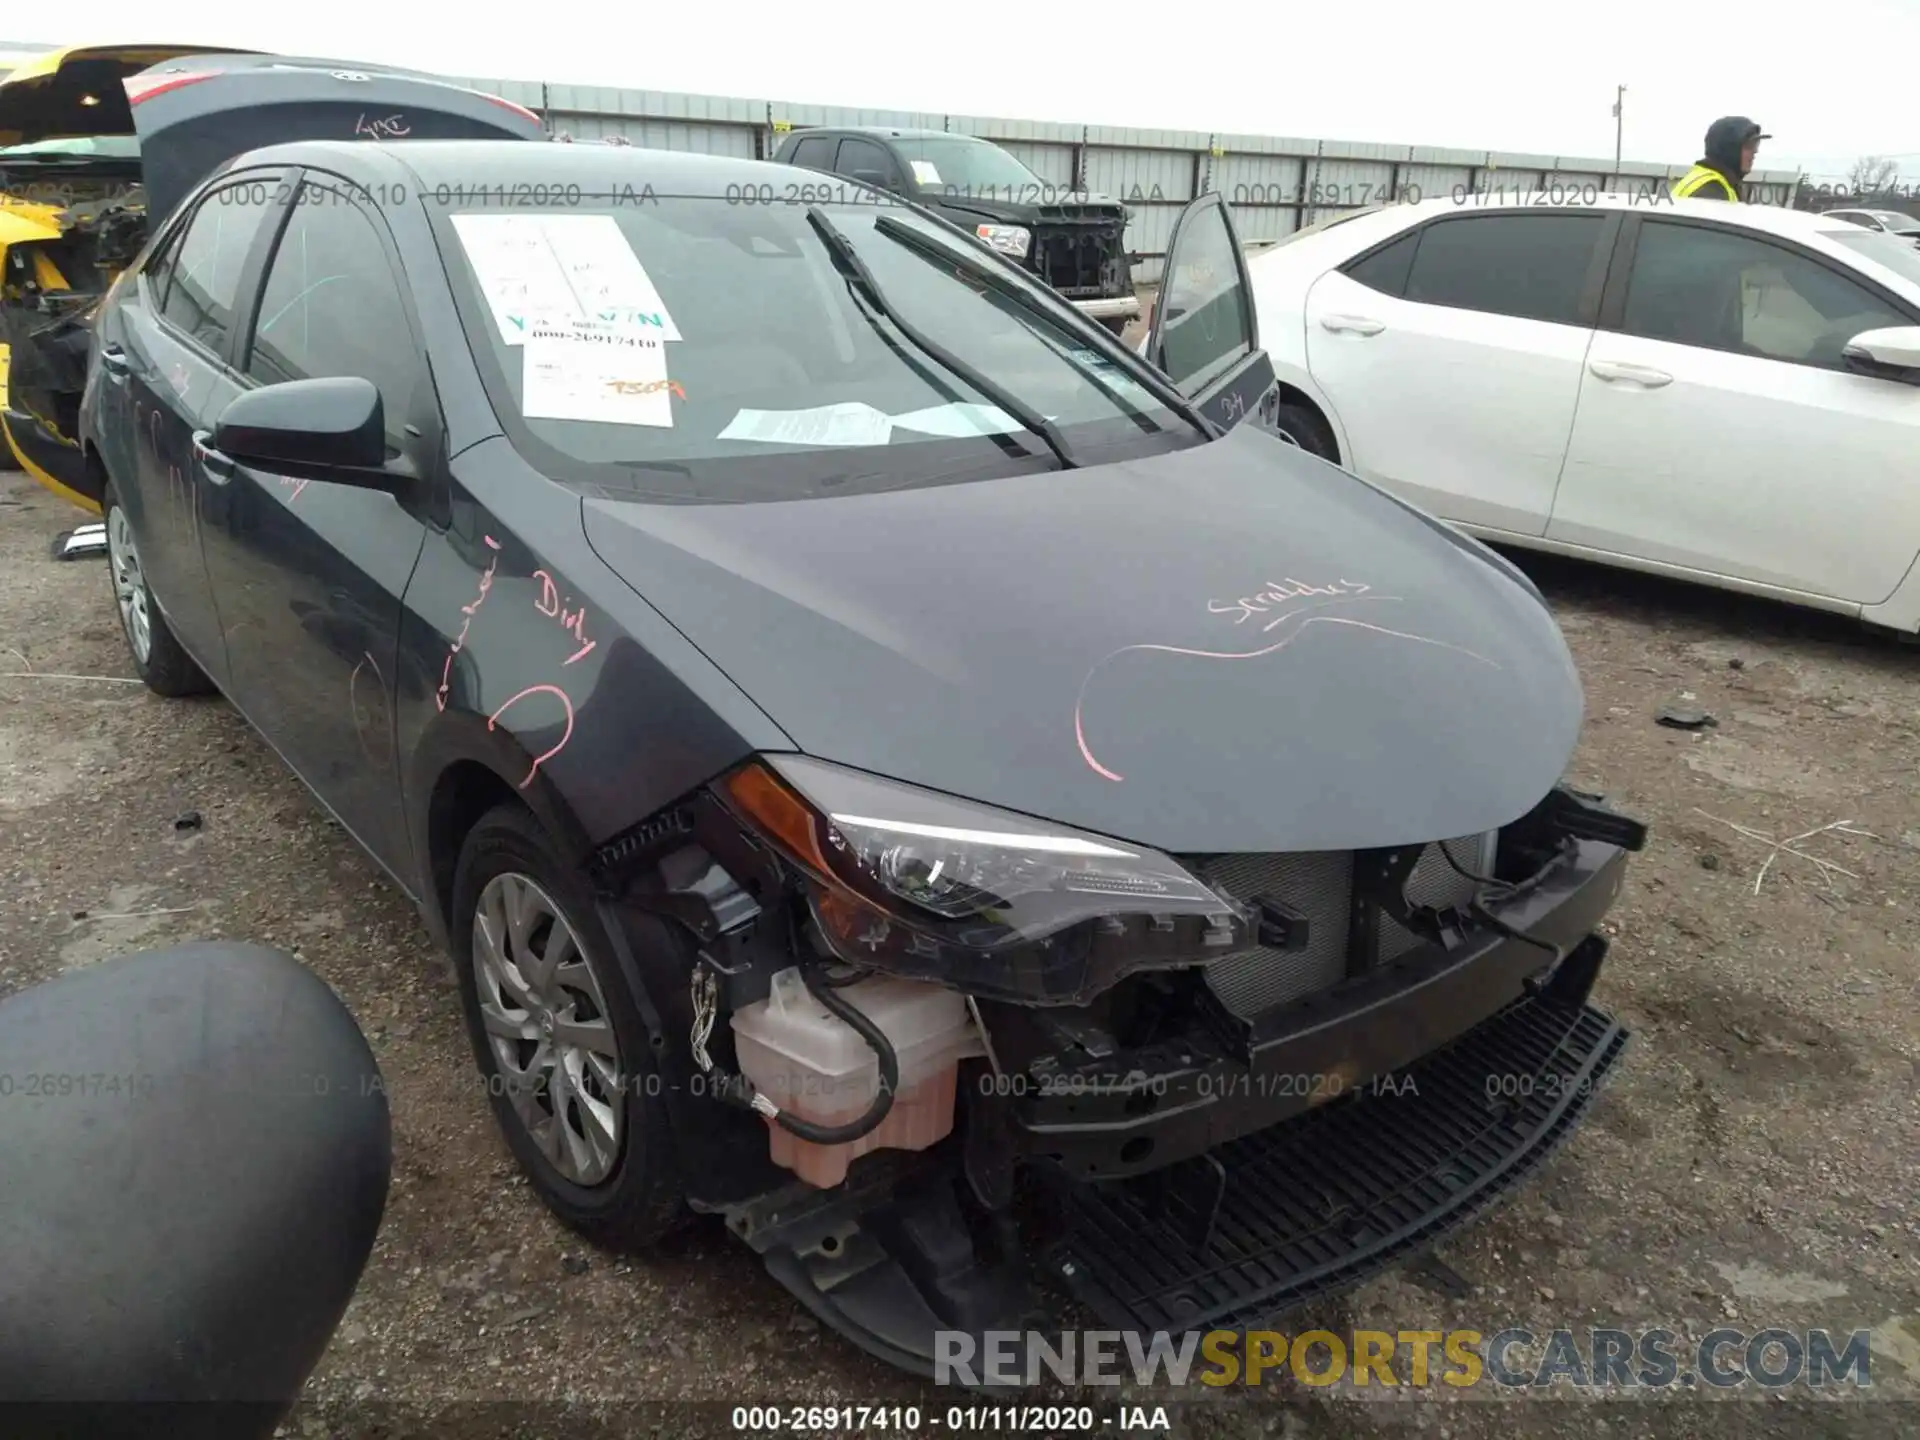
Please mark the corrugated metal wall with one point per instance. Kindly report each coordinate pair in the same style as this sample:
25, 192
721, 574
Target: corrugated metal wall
1275, 184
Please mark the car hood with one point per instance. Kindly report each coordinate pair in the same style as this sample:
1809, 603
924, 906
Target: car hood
1235, 647
22, 221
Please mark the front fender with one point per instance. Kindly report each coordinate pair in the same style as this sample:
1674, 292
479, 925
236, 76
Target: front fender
538, 673
454, 738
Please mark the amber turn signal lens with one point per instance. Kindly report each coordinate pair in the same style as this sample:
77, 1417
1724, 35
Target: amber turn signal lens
780, 814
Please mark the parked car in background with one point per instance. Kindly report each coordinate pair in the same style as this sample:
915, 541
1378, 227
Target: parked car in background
1074, 241
1724, 394
1891, 222
53, 104
782, 651
105, 141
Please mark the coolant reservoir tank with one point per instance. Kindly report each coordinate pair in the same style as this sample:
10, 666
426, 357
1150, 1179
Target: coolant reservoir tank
814, 1065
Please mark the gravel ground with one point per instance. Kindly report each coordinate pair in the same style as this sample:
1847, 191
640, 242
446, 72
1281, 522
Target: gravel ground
1755, 1163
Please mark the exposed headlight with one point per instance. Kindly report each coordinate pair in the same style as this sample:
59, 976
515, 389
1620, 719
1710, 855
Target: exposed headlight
1014, 240
991, 902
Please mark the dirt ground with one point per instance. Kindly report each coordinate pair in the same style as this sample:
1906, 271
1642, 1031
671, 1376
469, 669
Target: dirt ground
1755, 1164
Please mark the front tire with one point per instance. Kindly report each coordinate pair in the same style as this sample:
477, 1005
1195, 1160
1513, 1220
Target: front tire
558, 1038
158, 658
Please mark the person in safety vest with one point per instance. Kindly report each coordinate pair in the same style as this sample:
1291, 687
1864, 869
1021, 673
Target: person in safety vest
1732, 143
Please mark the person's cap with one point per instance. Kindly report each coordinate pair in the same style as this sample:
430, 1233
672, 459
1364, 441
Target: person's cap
1750, 129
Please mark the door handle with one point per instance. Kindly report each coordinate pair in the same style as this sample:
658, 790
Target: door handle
1638, 374
1351, 325
114, 361
219, 466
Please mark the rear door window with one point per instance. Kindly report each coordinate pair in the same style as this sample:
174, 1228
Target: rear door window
1528, 266
203, 292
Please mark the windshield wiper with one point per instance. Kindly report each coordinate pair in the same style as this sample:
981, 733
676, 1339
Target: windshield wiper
930, 249
1030, 419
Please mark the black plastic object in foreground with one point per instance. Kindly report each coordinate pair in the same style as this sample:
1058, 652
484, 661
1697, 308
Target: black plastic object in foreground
195, 1151
1316, 1205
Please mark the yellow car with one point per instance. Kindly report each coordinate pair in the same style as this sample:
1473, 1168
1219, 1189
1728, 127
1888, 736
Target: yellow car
99, 143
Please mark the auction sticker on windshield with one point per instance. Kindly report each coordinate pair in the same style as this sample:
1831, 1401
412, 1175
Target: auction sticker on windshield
925, 173
561, 268
584, 377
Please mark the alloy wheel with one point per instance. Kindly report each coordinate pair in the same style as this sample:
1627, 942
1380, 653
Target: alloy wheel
129, 585
546, 1022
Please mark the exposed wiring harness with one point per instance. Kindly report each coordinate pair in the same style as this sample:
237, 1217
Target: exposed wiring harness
1492, 888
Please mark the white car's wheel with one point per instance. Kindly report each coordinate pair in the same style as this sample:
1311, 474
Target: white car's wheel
1297, 426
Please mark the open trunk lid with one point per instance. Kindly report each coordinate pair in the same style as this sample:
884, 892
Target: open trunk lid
77, 91
192, 118
189, 110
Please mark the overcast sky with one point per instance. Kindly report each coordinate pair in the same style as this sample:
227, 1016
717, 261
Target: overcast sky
1482, 74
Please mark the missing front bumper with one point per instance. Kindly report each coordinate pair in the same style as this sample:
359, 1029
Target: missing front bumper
1138, 1111
1243, 1233
1315, 1206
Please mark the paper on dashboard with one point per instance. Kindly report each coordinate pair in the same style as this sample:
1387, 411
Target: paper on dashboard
598, 378
958, 420
848, 423
558, 269
518, 272
605, 274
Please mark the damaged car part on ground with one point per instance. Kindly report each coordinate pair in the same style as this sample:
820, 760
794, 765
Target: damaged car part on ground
890, 767
103, 142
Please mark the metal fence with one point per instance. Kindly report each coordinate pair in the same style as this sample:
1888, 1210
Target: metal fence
1275, 184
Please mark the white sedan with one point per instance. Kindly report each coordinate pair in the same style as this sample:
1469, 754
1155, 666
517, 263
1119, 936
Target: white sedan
1727, 394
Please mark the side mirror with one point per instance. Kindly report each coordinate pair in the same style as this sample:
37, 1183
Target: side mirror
873, 178
315, 428
1889, 354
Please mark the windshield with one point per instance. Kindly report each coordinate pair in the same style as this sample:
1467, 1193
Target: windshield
1896, 252
1893, 220
956, 165
689, 349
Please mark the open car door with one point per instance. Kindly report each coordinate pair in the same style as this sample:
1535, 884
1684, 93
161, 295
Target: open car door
1204, 334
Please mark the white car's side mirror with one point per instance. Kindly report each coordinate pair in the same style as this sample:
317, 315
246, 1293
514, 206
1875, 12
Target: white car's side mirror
1892, 353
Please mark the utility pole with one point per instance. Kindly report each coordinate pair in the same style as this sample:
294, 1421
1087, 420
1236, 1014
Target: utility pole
1619, 104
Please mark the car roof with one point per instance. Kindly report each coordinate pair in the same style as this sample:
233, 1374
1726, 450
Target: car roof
457, 165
